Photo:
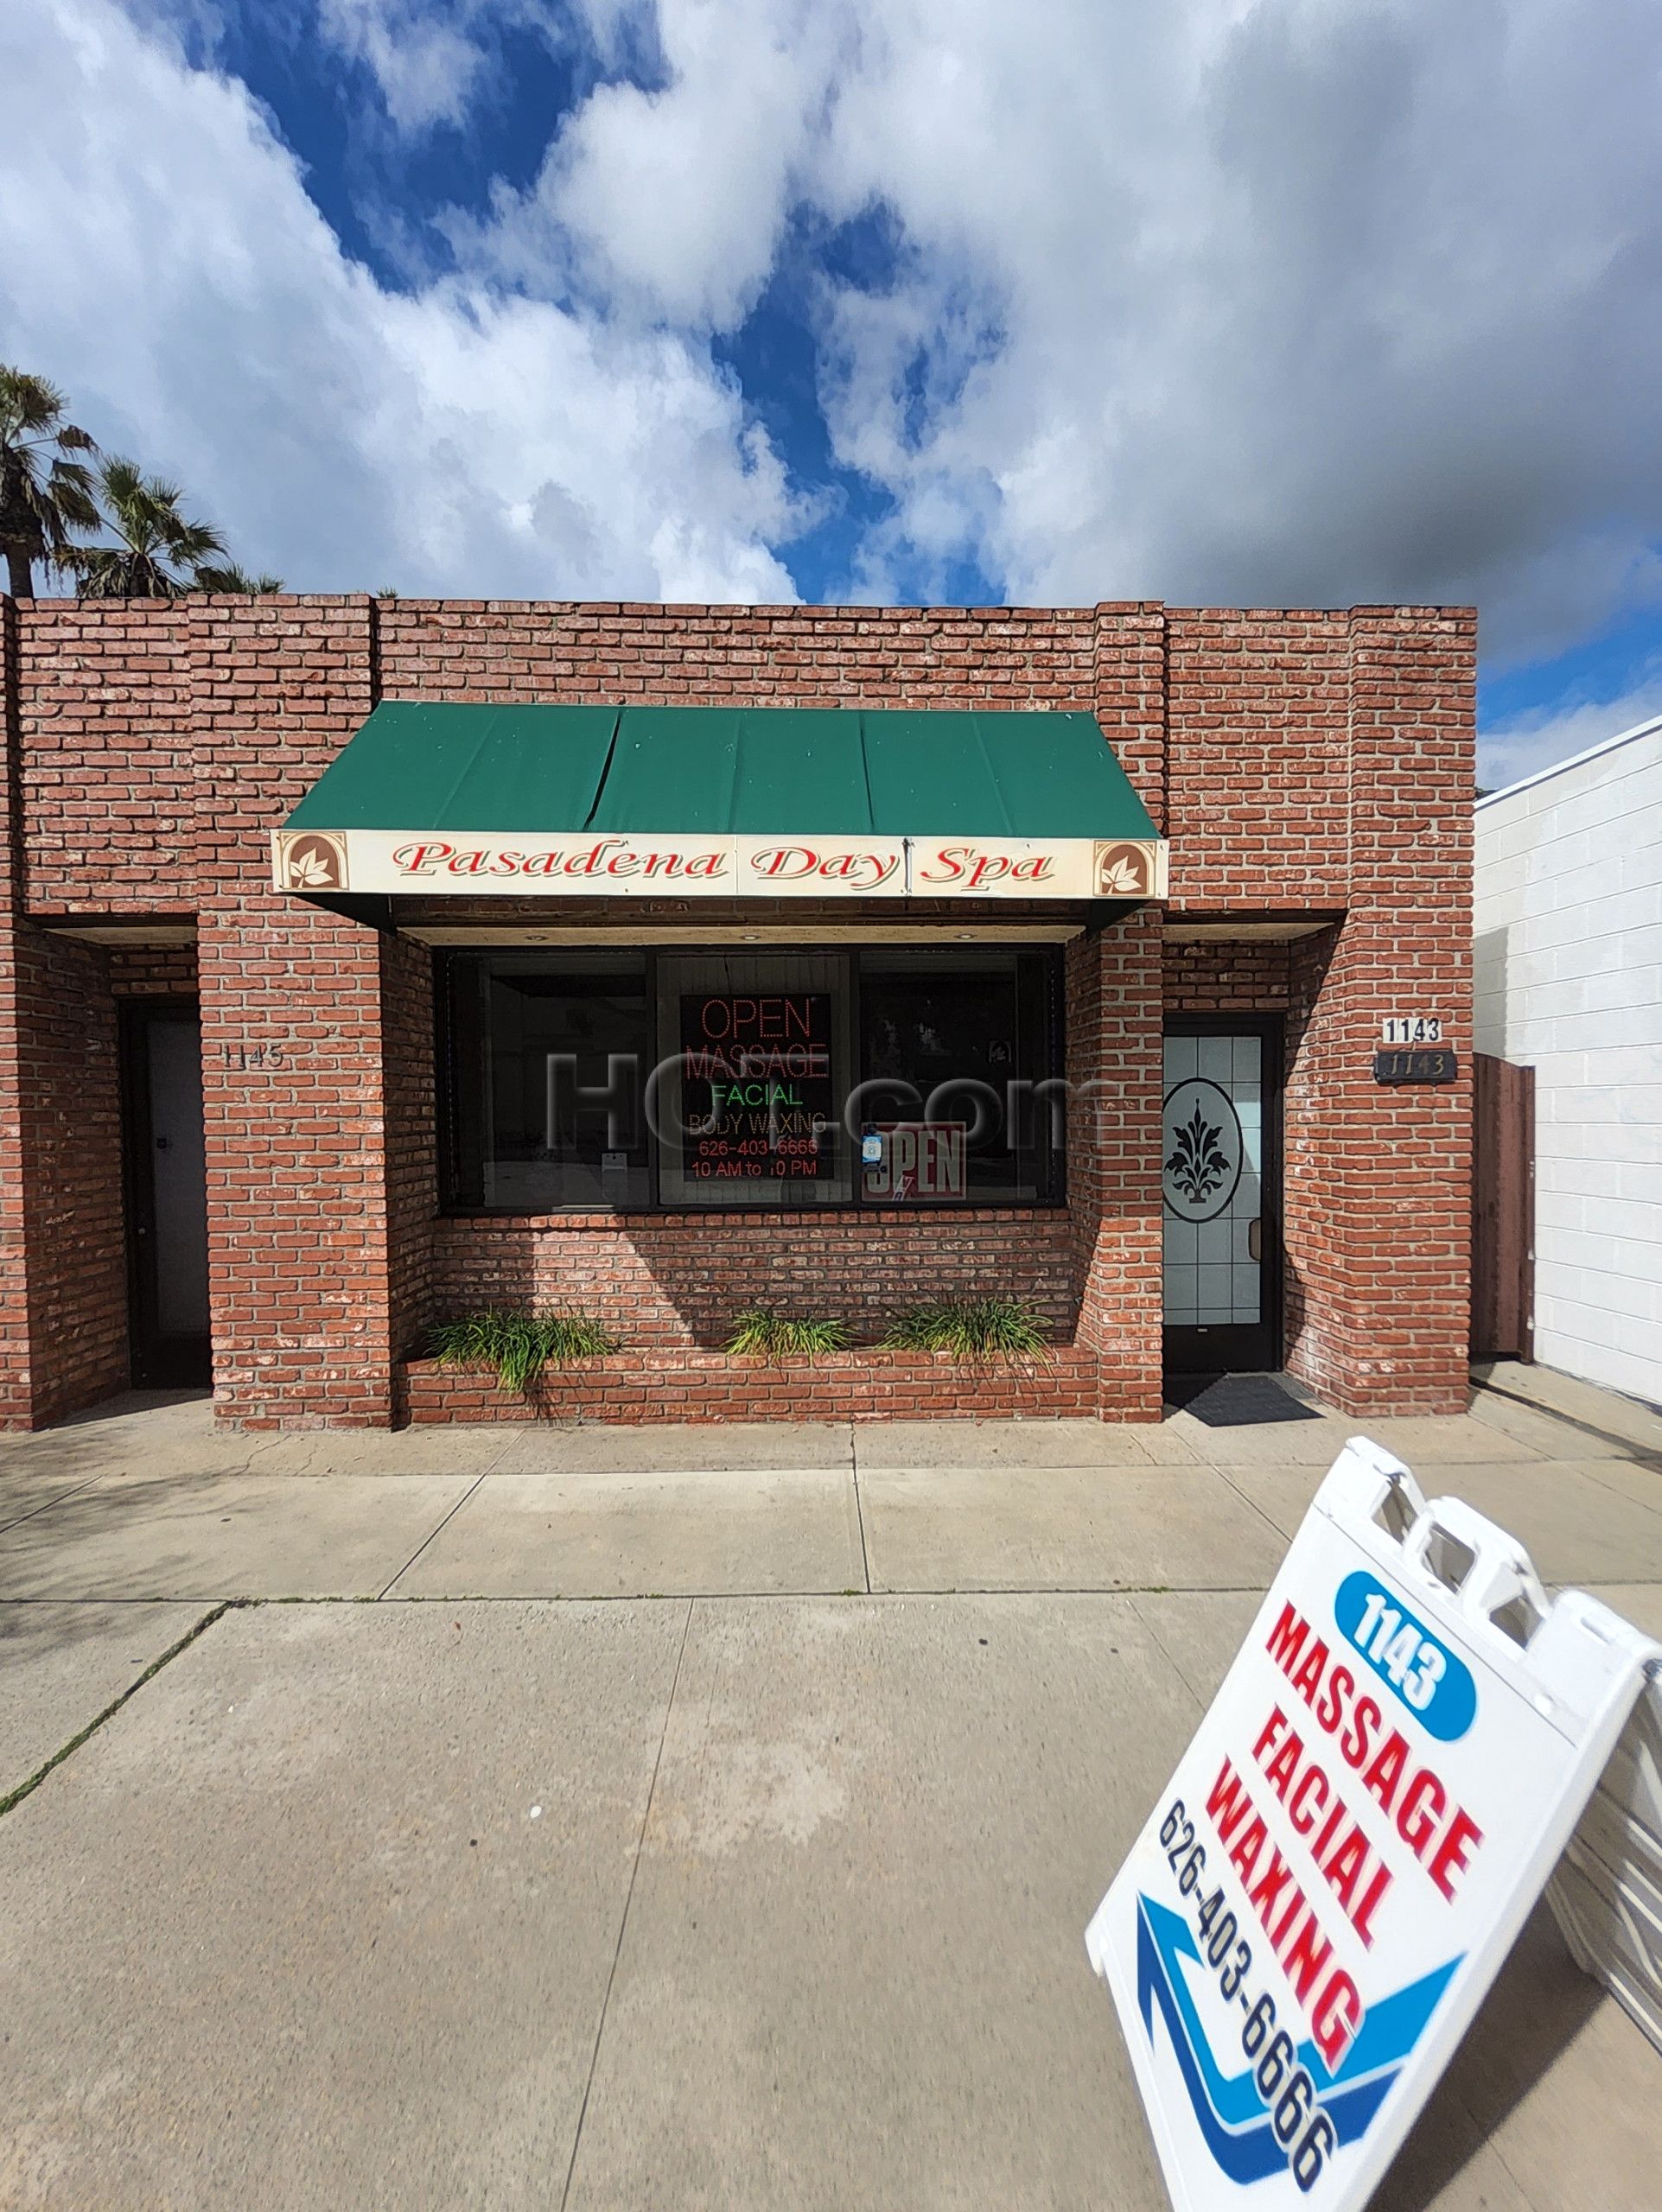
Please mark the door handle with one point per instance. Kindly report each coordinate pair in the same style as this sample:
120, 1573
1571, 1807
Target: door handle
1255, 1238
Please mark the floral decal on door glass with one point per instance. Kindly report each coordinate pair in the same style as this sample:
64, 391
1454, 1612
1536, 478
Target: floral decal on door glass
1198, 1163
1200, 1150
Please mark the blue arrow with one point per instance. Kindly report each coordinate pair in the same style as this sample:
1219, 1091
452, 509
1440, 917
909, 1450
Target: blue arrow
1228, 2109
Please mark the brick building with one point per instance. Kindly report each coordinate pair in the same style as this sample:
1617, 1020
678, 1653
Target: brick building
228, 851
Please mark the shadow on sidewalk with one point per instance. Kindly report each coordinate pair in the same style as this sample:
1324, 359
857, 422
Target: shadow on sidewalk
1540, 2003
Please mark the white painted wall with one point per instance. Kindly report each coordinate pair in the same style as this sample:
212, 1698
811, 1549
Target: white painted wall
1568, 978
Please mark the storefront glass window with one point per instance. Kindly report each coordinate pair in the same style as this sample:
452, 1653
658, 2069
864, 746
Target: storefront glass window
627, 1080
955, 1055
548, 1063
754, 1074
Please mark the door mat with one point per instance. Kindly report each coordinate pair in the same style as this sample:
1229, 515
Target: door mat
1235, 1401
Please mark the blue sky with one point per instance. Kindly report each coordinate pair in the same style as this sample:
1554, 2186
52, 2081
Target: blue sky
1229, 301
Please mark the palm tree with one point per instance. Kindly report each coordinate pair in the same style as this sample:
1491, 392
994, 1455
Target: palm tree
158, 551
44, 496
230, 578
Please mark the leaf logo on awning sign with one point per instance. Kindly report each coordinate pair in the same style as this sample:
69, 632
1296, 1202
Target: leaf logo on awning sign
1123, 872
312, 861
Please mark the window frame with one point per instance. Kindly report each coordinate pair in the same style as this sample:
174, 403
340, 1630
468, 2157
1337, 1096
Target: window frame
450, 1075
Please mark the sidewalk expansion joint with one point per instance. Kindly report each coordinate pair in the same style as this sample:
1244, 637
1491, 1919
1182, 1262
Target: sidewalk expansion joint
1228, 1480
628, 1899
860, 1520
15, 1797
440, 1524
46, 1504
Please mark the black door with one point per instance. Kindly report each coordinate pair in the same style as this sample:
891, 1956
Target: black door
1220, 1161
167, 1192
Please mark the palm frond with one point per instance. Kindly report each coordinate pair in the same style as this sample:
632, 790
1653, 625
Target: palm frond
193, 542
230, 580
71, 490
123, 481
28, 405
44, 498
158, 550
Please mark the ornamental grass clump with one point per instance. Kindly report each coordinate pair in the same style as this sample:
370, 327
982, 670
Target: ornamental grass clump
972, 1328
517, 1345
760, 1333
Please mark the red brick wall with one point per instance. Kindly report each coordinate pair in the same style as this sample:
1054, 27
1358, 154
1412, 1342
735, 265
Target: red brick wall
697, 1386
779, 655
16, 1348
153, 971
411, 1106
1301, 762
1243, 977
1234, 725
1113, 1155
1257, 769
1377, 1210
108, 759
63, 1292
63, 1275
1313, 1183
1129, 695
663, 1280
1372, 1295
293, 1049
74, 1213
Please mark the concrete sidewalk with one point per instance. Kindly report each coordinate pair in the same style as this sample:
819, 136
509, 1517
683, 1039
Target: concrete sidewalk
149, 1502
716, 1823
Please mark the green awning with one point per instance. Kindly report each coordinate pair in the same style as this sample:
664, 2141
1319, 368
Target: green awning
536, 792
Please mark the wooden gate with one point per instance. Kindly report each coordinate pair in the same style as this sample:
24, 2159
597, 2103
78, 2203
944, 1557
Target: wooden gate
1503, 1210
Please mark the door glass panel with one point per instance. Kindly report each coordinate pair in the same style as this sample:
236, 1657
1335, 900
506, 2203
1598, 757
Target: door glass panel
1212, 1160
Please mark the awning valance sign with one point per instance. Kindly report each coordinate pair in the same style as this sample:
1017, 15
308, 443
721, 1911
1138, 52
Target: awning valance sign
724, 803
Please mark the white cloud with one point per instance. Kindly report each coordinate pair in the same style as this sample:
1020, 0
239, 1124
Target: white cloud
1217, 300
160, 258
426, 68
670, 202
1512, 750
1276, 301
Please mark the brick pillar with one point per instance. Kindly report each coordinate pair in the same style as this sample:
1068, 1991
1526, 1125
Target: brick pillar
16, 1400
1113, 1157
1377, 1179
63, 1273
294, 1056
412, 1111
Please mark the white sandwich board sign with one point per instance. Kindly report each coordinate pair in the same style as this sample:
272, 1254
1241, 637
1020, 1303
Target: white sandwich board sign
1367, 1813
